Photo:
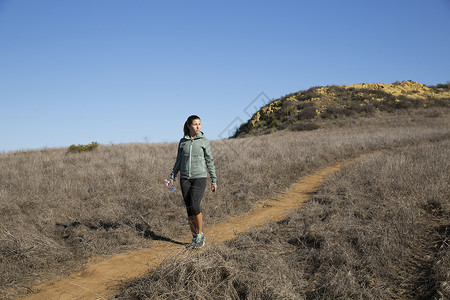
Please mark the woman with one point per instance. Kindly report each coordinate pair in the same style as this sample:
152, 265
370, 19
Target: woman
194, 152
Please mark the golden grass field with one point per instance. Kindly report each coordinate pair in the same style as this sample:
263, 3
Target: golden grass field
361, 236
377, 229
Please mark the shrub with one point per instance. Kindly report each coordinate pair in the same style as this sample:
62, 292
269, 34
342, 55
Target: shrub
309, 112
308, 94
82, 148
444, 86
289, 108
305, 126
274, 123
439, 102
335, 112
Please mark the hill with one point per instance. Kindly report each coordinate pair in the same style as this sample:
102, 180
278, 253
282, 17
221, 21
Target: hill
60, 210
305, 110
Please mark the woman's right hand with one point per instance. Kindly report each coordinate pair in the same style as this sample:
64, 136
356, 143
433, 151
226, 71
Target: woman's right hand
169, 183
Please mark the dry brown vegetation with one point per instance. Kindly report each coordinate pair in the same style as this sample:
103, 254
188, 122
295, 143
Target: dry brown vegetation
306, 110
58, 209
377, 229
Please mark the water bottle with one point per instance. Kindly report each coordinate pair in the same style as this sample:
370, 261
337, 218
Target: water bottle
171, 187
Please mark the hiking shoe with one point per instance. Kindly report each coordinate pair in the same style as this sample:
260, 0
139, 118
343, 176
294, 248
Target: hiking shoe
199, 241
192, 244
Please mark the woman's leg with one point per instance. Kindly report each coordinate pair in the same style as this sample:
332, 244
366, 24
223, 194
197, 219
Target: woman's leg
193, 225
199, 223
187, 197
196, 224
193, 193
197, 191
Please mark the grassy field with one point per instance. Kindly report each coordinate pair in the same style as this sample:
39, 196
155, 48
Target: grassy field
377, 229
59, 209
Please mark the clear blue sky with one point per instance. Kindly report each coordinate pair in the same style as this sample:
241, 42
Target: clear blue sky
73, 72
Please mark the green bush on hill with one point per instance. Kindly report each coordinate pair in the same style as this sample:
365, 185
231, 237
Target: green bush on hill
82, 148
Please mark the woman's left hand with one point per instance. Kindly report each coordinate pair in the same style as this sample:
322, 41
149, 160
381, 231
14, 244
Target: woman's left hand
213, 188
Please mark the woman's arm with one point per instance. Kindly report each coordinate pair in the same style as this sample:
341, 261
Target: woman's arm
177, 165
210, 163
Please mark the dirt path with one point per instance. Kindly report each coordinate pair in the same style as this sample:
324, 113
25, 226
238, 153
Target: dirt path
102, 280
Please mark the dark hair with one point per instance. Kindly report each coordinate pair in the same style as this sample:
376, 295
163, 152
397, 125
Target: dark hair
189, 122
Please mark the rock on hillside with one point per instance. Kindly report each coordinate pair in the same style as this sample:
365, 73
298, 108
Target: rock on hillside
302, 110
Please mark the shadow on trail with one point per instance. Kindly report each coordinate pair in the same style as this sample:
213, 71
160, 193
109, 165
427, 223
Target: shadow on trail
151, 234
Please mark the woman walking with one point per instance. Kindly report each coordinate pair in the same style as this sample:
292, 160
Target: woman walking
194, 152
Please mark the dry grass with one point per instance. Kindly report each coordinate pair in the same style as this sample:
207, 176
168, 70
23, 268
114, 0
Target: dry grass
378, 229
58, 209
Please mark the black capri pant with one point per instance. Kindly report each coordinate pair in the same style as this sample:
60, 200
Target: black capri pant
192, 190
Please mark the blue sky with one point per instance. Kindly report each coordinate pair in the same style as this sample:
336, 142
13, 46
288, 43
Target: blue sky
73, 72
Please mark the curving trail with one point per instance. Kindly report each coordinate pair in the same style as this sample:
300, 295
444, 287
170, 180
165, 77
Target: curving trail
102, 280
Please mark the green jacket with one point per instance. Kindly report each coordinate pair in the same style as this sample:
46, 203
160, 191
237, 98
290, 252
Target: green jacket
192, 156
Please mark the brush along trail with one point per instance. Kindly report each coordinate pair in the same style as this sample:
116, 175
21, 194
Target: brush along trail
103, 279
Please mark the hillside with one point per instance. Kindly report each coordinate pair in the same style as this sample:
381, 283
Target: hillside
304, 110
61, 210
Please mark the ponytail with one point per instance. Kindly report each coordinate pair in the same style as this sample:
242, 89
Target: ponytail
189, 122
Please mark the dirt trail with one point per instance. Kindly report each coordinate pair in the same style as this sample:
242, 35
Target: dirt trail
102, 280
